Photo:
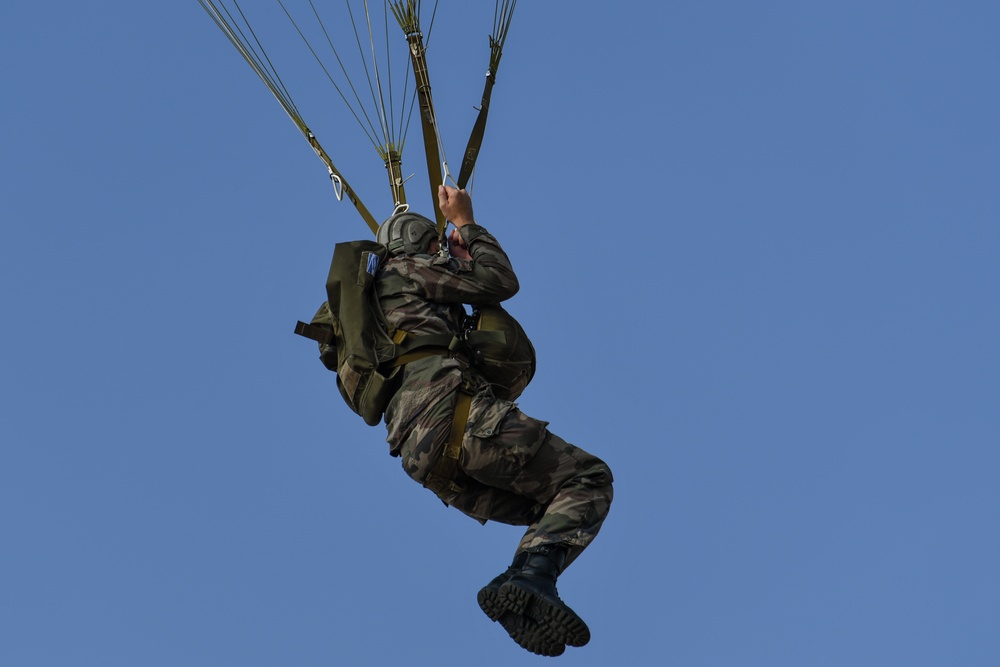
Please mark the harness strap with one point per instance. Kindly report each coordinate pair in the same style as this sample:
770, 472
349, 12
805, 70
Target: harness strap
410, 347
422, 353
444, 473
442, 476
408, 342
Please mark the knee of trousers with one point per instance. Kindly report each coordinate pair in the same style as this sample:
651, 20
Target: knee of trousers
595, 474
594, 485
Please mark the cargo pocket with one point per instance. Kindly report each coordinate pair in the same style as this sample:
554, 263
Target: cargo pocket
486, 414
500, 438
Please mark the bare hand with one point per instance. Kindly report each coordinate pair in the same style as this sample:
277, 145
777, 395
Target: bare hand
456, 206
457, 246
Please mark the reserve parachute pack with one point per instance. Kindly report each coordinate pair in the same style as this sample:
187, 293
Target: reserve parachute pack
356, 342
508, 363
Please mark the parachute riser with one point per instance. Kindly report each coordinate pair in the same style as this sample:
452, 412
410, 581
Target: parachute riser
428, 121
501, 26
393, 166
479, 129
478, 132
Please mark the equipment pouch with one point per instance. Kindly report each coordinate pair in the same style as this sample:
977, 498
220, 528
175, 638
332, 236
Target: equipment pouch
367, 392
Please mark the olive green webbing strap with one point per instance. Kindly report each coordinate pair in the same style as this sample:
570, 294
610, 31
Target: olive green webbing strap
442, 475
404, 359
428, 125
415, 347
407, 15
476, 138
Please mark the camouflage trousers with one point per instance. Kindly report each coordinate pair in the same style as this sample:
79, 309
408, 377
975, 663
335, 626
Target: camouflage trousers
513, 470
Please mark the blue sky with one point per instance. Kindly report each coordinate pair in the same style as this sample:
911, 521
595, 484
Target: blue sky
758, 248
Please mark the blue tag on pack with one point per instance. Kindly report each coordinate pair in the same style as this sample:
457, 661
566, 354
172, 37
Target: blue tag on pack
372, 263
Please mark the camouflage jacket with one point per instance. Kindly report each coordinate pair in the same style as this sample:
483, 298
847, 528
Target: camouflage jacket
423, 294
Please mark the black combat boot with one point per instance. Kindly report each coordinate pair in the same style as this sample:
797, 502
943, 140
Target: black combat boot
522, 630
489, 602
531, 593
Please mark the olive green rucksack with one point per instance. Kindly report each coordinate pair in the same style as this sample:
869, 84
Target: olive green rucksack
352, 332
356, 342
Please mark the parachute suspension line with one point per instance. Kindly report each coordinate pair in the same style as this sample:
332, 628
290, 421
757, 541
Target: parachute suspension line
389, 149
430, 28
264, 69
370, 134
364, 62
380, 102
391, 153
407, 14
502, 16
407, 98
404, 118
388, 66
260, 63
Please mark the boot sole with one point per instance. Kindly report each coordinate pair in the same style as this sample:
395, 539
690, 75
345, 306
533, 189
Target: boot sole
523, 630
553, 624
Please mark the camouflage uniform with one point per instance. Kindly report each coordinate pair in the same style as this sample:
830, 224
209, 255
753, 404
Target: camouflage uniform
511, 468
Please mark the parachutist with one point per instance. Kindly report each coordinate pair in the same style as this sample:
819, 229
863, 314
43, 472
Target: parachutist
452, 421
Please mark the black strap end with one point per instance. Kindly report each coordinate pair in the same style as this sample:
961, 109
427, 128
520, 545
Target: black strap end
313, 332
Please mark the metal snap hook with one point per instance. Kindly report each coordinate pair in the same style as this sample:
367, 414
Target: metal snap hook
338, 186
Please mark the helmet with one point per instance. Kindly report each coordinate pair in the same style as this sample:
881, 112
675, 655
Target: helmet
407, 234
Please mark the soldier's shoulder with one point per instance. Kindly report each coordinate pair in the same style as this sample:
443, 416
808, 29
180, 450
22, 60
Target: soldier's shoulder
414, 265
